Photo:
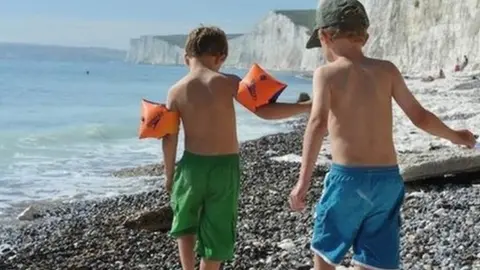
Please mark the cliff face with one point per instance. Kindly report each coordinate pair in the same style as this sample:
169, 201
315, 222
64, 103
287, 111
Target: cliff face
421, 35
162, 50
417, 35
154, 50
277, 42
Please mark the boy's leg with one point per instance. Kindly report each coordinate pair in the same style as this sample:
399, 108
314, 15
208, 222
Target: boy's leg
186, 245
186, 201
210, 265
320, 264
378, 242
217, 233
338, 216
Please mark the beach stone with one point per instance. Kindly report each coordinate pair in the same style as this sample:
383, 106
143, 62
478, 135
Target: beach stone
444, 162
302, 97
451, 160
287, 244
155, 220
29, 214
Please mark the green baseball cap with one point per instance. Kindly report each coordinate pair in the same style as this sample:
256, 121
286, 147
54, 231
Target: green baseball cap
346, 14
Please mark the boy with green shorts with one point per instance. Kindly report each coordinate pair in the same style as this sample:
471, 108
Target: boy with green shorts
205, 185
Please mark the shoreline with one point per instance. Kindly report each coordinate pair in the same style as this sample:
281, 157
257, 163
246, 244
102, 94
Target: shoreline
441, 223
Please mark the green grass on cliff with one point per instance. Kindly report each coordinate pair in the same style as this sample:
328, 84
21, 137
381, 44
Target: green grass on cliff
303, 17
179, 40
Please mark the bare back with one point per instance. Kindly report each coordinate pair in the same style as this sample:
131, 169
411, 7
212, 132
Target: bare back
204, 99
360, 118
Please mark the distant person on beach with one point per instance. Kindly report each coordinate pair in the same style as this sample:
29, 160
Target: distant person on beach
441, 74
457, 66
204, 187
352, 101
465, 63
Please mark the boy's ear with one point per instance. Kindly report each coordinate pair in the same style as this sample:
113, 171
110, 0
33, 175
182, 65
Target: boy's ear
220, 59
366, 39
186, 60
324, 37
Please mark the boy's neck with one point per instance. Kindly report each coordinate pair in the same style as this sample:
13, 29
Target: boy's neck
199, 64
350, 51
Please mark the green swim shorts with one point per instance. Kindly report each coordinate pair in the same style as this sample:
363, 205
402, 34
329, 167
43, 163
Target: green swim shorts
204, 200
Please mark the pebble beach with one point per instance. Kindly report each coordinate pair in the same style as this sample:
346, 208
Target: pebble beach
440, 227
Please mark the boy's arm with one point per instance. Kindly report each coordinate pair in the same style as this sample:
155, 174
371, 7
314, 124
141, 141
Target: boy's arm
421, 117
279, 110
273, 111
315, 131
317, 125
169, 147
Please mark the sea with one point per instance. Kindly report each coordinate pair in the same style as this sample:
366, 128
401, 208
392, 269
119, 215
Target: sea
68, 121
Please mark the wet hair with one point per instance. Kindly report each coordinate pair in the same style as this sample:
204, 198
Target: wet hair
205, 40
356, 33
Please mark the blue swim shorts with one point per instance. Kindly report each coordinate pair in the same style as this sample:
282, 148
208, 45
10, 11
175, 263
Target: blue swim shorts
360, 207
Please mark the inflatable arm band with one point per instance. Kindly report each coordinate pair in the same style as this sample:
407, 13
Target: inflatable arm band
258, 88
157, 121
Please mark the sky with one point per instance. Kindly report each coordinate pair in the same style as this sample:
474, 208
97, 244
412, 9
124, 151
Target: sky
111, 23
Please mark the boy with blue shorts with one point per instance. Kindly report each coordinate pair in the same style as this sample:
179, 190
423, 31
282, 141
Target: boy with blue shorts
352, 101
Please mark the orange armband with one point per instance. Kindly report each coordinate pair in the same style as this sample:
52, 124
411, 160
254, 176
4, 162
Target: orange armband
157, 121
258, 88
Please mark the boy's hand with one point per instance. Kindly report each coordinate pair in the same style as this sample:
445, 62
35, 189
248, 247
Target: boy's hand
168, 186
297, 196
464, 137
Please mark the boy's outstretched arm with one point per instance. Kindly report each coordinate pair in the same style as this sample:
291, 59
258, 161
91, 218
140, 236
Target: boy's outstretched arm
169, 147
273, 111
315, 131
281, 110
421, 117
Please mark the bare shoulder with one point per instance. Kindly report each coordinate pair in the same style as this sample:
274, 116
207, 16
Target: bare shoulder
330, 73
385, 66
327, 72
226, 82
174, 91
232, 78
178, 86
324, 79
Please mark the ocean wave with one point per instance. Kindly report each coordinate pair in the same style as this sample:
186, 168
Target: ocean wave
69, 135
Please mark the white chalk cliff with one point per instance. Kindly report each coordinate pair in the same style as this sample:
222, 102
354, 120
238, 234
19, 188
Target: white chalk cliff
161, 50
420, 35
277, 42
417, 35
154, 50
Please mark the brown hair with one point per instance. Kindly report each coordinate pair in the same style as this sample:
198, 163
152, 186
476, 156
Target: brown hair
205, 40
355, 34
